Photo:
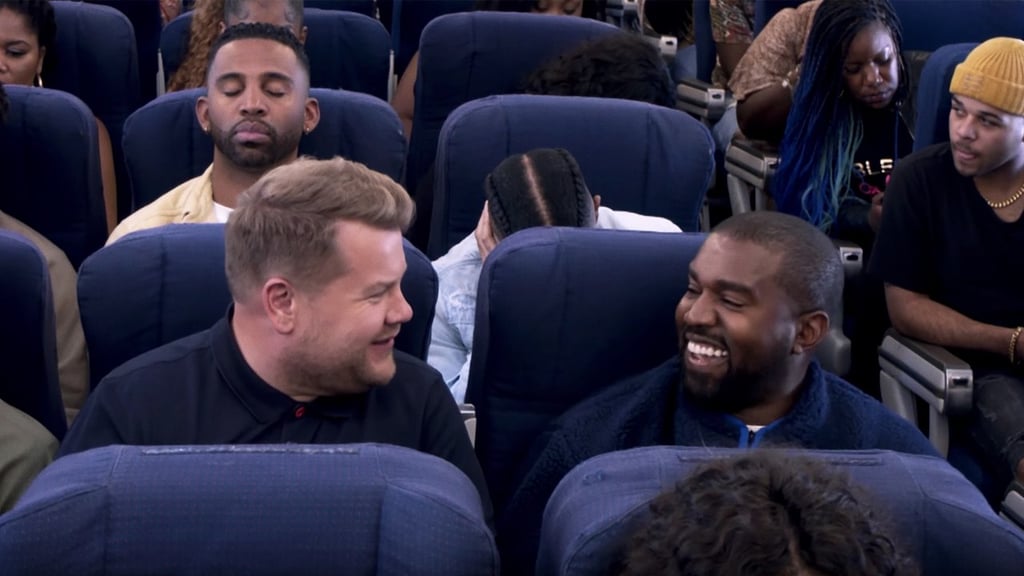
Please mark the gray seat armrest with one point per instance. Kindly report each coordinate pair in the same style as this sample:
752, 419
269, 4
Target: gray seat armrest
702, 100
912, 369
1012, 508
852, 257
749, 168
469, 419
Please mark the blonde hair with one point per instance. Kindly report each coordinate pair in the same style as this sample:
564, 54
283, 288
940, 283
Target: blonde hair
203, 32
285, 223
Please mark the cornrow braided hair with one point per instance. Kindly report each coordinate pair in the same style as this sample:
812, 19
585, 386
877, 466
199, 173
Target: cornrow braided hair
824, 128
542, 187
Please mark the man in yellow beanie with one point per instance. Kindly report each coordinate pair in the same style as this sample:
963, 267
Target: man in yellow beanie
950, 244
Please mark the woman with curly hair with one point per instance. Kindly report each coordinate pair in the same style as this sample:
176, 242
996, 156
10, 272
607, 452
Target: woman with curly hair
209, 19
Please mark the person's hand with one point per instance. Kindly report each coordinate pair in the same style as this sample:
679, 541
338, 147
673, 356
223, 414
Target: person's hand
485, 240
875, 213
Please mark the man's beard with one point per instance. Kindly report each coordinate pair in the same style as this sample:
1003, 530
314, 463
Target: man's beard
260, 157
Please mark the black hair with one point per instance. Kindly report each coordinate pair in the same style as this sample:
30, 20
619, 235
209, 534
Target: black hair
543, 187
240, 9
42, 20
591, 8
619, 65
824, 128
765, 513
810, 272
259, 30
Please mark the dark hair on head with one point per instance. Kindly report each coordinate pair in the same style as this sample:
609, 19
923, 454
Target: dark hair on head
810, 271
4, 104
591, 8
261, 31
619, 65
41, 20
765, 513
543, 187
240, 10
824, 129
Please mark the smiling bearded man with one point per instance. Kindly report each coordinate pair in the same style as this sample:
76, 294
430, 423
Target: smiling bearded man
760, 297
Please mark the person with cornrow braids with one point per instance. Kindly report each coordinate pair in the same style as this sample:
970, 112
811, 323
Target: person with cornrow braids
543, 187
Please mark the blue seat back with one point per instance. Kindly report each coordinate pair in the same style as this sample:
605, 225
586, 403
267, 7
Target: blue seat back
346, 50
933, 103
471, 55
364, 7
637, 156
561, 314
410, 17
147, 24
50, 169
938, 517
28, 345
271, 510
95, 59
156, 286
707, 52
929, 25
353, 125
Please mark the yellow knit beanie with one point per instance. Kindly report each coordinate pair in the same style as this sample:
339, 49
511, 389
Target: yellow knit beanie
993, 74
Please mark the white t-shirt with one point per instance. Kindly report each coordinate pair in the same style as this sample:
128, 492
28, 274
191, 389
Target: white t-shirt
221, 212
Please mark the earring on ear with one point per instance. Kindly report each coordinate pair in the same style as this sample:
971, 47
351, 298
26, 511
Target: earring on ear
306, 131
38, 80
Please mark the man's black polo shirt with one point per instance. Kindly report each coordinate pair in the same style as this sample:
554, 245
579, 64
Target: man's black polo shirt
200, 390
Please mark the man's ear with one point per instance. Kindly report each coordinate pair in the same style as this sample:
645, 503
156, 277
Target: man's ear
312, 115
203, 113
810, 331
279, 304
221, 28
302, 35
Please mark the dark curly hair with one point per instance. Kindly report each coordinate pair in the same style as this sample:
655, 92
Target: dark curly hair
543, 187
765, 513
259, 30
41, 20
619, 65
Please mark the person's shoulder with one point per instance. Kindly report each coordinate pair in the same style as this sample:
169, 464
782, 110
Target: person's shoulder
164, 364
878, 426
608, 219
929, 157
167, 209
464, 255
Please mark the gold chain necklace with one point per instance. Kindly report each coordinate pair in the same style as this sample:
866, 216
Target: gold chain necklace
1004, 203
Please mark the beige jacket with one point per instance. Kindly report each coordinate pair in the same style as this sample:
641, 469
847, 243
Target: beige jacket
72, 356
191, 202
27, 447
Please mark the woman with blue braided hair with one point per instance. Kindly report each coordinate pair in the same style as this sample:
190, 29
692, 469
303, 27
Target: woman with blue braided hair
848, 123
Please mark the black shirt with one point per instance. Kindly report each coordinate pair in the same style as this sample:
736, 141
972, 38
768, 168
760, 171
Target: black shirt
200, 390
885, 138
941, 239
